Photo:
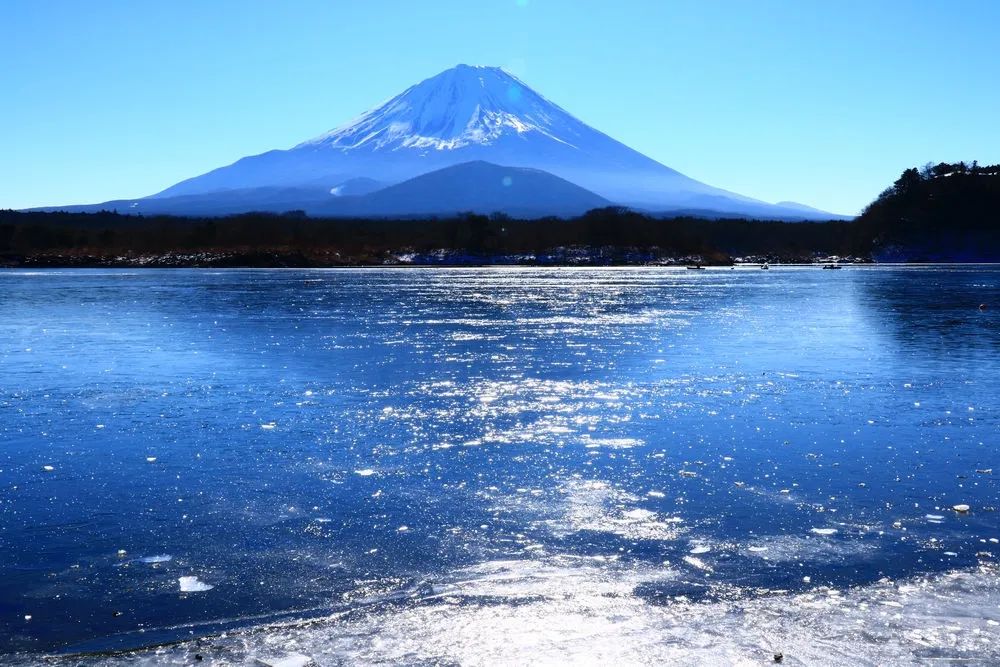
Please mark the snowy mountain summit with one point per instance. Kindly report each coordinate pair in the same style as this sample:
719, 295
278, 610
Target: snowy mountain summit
467, 114
461, 106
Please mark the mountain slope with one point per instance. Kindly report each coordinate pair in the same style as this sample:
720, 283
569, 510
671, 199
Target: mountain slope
468, 114
463, 114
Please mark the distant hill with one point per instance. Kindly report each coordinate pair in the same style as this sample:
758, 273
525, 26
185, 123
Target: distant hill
478, 187
943, 212
475, 187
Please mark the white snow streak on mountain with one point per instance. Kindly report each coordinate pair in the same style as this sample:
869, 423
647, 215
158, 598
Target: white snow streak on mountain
462, 106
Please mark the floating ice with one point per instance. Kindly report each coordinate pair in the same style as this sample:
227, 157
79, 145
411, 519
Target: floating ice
366, 472
193, 585
594, 505
589, 612
290, 660
156, 559
612, 443
823, 531
798, 549
698, 563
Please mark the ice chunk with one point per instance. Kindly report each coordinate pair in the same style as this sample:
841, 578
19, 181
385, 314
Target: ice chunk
193, 585
156, 559
823, 531
698, 563
367, 472
290, 660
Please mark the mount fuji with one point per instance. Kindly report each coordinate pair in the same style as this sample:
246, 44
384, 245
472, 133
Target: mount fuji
454, 121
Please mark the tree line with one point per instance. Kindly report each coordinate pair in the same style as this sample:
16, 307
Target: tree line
937, 212
354, 241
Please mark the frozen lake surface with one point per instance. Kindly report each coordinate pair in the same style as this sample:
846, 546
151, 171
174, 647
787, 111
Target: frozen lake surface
488, 466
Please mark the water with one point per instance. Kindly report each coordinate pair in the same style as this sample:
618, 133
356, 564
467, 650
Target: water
500, 465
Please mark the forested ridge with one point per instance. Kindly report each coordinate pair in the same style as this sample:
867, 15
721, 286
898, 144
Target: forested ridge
943, 212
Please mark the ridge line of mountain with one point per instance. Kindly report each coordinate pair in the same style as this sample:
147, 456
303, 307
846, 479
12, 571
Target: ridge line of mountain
459, 116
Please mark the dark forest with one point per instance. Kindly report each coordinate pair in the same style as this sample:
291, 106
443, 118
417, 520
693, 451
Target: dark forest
943, 212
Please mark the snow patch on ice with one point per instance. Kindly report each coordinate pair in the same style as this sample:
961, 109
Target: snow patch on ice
193, 585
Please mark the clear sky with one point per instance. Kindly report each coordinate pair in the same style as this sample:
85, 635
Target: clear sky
818, 102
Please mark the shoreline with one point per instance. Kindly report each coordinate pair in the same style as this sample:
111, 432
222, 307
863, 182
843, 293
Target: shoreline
604, 237
584, 257
139, 264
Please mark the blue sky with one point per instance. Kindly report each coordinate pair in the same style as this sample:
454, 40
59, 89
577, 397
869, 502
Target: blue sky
818, 102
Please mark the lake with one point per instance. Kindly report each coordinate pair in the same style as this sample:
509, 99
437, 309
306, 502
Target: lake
482, 466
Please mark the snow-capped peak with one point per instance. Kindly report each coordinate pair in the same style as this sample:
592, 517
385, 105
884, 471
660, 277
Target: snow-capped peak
468, 114
458, 107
